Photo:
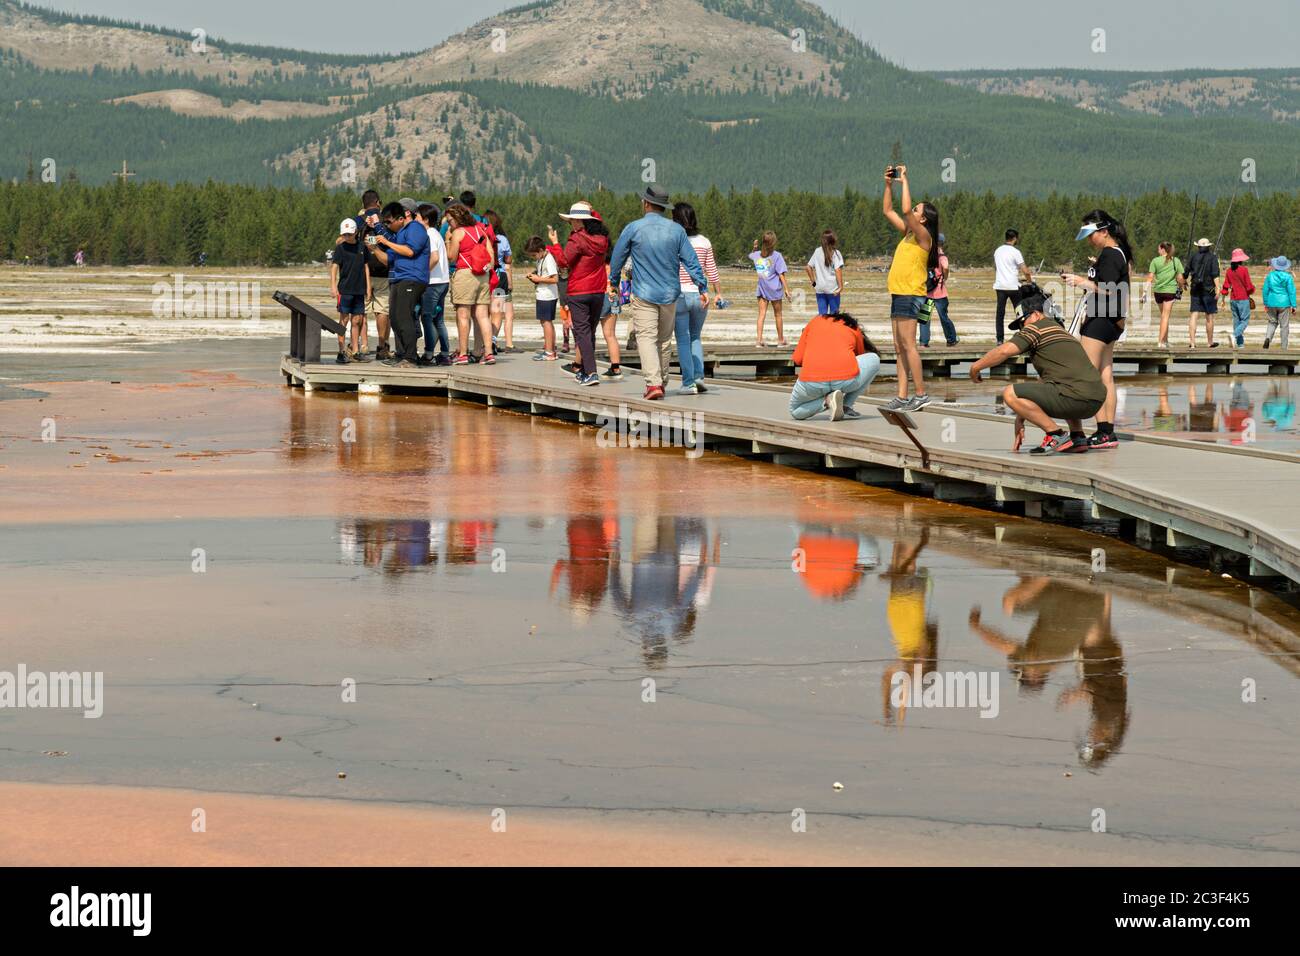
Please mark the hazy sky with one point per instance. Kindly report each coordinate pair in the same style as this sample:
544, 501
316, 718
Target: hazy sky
952, 34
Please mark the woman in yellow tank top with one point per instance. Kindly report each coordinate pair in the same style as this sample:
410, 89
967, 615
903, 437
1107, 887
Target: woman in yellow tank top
916, 256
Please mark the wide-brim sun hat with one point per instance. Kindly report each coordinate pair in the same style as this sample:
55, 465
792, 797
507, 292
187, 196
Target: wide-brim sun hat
1204, 243
1282, 263
1239, 255
579, 211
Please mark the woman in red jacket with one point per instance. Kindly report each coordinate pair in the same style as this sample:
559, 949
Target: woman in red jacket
1238, 288
586, 256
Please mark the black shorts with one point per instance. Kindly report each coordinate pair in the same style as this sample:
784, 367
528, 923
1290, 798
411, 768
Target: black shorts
1048, 397
546, 310
1103, 330
1205, 302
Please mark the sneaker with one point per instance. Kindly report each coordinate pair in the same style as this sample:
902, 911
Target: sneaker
460, 360
654, 393
592, 379
474, 359
699, 387
425, 361
1103, 440
342, 359
404, 363
1078, 444
612, 374
1053, 444
573, 367
896, 404
360, 357
544, 356
442, 358
851, 412
383, 353
690, 389
918, 402
490, 359
835, 402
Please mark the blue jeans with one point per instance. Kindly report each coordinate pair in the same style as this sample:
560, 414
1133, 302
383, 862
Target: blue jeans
1240, 319
949, 330
431, 309
828, 303
690, 350
806, 398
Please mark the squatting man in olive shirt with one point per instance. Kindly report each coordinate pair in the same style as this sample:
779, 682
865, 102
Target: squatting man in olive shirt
1068, 386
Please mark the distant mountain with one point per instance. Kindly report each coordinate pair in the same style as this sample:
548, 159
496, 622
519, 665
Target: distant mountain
1272, 95
741, 94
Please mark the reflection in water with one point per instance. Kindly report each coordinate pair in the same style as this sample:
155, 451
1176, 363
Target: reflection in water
914, 632
392, 546
673, 567
1072, 624
835, 561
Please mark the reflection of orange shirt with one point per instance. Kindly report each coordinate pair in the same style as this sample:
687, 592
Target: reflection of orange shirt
830, 570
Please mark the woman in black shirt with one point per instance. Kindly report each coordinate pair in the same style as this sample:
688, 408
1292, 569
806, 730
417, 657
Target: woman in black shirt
1107, 285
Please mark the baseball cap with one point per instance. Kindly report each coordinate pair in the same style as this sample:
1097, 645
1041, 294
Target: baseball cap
348, 227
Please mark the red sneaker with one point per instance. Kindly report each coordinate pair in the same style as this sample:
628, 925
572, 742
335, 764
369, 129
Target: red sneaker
654, 393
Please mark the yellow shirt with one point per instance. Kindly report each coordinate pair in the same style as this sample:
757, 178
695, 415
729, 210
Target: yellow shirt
908, 271
906, 612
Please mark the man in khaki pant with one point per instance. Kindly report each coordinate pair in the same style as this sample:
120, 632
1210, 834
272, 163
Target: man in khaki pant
659, 249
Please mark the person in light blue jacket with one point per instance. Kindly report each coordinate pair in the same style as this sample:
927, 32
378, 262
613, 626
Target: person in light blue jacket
1279, 299
659, 249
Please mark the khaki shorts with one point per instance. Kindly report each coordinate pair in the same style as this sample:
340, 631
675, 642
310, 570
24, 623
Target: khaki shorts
377, 301
469, 289
1048, 397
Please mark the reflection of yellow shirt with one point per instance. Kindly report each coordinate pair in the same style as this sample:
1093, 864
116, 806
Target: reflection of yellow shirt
906, 612
908, 271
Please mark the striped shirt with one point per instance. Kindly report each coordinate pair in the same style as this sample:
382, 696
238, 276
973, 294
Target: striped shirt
1060, 359
704, 250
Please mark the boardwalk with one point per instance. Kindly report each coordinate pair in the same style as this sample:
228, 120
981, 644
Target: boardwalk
1238, 500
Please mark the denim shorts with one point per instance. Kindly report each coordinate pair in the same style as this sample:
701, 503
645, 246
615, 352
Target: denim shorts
352, 304
905, 306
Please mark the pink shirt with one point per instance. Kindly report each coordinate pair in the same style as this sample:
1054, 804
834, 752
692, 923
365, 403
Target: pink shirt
941, 290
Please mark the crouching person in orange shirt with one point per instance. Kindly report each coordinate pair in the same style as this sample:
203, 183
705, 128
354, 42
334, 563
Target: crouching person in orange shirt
836, 364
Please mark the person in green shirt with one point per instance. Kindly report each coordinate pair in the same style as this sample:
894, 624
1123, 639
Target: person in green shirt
1165, 276
1069, 386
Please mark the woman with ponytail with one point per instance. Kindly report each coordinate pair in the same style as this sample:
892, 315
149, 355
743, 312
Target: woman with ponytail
826, 273
1165, 276
1107, 287
916, 256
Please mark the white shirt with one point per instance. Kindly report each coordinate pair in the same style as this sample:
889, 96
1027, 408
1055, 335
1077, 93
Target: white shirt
440, 274
546, 268
826, 282
1007, 260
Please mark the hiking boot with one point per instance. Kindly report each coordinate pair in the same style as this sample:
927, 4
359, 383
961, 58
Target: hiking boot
835, 403
383, 353
1103, 440
654, 393
1053, 444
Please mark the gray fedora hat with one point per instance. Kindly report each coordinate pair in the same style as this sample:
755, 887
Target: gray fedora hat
656, 196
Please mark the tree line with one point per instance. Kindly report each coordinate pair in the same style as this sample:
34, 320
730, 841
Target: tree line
241, 225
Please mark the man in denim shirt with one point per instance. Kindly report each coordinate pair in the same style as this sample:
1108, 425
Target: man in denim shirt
657, 247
